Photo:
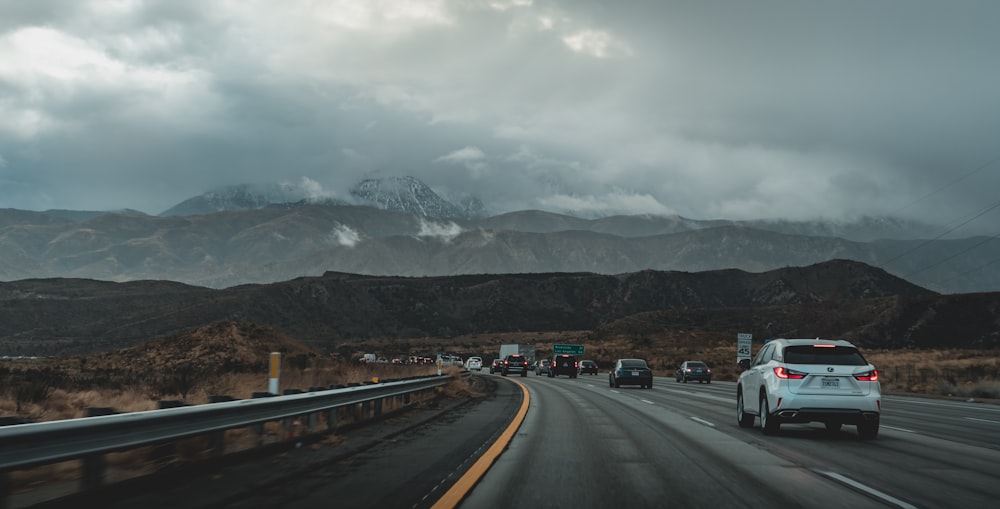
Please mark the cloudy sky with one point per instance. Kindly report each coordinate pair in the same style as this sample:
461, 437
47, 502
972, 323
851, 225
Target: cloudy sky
705, 108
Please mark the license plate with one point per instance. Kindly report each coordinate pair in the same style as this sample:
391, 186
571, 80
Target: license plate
635, 373
831, 383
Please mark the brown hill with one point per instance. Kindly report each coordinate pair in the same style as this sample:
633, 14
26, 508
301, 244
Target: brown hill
61, 317
221, 347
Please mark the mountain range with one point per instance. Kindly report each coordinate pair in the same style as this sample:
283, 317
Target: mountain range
401, 227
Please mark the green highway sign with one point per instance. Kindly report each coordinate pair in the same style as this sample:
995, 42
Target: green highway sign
559, 348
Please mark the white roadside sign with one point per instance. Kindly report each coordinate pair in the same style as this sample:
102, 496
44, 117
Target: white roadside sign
743, 341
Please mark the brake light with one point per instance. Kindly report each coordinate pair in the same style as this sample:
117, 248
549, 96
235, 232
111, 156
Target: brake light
824, 346
871, 376
506, 363
785, 373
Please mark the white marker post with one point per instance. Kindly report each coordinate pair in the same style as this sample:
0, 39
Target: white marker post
272, 383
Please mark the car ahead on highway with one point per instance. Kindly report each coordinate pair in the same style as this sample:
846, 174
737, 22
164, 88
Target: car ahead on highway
474, 364
514, 364
587, 366
809, 380
563, 364
694, 370
496, 366
542, 367
631, 372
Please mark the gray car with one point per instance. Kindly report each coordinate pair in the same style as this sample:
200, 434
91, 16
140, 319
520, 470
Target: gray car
542, 367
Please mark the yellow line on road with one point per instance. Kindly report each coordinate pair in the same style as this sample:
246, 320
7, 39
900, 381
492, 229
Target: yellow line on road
462, 487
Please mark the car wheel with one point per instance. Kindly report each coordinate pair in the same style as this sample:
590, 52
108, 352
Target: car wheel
832, 427
868, 430
524, 374
684, 379
745, 419
708, 381
768, 424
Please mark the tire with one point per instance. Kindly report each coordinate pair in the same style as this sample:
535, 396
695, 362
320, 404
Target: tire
684, 379
744, 419
868, 430
524, 374
617, 385
768, 424
832, 427
503, 373
708, 381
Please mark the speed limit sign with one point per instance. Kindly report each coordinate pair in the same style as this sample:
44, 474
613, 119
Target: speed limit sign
743, 346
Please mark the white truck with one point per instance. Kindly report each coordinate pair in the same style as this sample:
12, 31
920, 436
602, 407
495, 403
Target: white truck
528, 351
508, 349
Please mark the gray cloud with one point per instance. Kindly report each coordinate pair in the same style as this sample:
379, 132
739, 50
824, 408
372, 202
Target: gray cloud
707, 109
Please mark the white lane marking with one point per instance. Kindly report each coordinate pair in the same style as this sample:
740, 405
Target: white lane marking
647, 401
981, 420
904, 430
703, 421
616, 392
868, 489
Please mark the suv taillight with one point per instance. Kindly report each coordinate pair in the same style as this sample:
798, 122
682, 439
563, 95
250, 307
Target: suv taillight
871, 376
783, 372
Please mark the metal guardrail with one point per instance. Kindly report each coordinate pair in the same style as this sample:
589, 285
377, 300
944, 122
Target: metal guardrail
24, 446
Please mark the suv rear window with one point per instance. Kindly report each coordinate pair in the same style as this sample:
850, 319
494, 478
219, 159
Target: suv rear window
839, 356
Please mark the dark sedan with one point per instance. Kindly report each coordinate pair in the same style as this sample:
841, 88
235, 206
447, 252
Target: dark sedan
631, 372
694, 370
588, 367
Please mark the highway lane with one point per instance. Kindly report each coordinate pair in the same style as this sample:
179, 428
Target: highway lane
585, 444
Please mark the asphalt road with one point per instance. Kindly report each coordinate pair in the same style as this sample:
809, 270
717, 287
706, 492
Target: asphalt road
584, 444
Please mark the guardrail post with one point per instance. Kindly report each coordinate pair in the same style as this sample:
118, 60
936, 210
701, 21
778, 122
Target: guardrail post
378, 407
331, 419
93, 464
258, 428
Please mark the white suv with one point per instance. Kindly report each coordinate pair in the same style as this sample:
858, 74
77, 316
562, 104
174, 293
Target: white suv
810, 380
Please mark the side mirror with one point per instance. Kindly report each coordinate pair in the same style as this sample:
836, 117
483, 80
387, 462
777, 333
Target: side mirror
744, 364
